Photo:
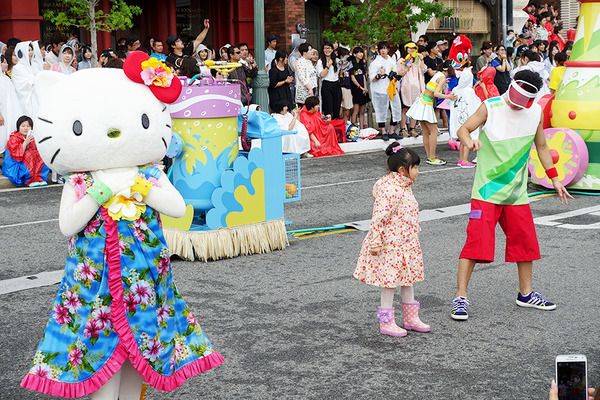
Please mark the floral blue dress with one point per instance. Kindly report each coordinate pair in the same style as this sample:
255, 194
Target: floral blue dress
117, 300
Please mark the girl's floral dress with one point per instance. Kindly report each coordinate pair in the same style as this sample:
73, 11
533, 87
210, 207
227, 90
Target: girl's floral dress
117, 300
395, 227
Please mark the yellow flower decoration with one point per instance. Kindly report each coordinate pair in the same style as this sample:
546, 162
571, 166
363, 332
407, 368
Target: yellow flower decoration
126, 205
156, 73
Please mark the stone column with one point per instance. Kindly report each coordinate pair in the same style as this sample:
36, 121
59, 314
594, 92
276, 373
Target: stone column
261, 82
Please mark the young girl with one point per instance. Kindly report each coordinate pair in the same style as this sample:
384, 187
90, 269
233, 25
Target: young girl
422, 110
22, 162
391, 254
86, 59
360, 93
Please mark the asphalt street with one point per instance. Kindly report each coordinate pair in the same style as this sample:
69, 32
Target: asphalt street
296, 324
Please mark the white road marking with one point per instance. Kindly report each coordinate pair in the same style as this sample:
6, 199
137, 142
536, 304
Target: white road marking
369, 179
31, 281
28, 223
550, 220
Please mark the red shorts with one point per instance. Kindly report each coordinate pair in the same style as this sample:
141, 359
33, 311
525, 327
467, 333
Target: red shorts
517, 224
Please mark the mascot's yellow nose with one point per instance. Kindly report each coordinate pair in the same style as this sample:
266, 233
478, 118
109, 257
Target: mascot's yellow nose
113, 133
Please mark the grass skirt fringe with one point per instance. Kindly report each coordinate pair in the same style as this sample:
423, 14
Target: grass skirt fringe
258, 238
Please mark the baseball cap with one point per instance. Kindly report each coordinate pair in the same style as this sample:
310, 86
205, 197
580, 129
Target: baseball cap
521, 49
439, 42
271, 37
525, 35
171, 40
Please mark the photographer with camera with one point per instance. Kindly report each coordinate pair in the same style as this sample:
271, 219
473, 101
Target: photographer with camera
383, 91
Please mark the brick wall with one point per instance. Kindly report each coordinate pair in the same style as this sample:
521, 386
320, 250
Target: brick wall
281, 17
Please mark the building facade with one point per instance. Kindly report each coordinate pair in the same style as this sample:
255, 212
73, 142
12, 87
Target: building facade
232, 21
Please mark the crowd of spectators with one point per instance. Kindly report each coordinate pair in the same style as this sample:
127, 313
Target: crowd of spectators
335, 74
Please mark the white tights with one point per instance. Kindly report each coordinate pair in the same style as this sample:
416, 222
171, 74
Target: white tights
387, 296
125, 384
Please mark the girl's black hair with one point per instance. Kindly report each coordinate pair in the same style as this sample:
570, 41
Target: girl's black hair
303, 48
447, 66
552, 46
189, 67
279, 54
401, 157
333, 56
22, 119
355, 62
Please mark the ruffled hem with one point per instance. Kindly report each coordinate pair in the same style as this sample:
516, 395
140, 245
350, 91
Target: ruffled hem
121, 325
157, 381
79, 389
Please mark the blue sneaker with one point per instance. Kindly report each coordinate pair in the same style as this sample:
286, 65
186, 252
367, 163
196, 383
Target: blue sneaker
459, 308
534, 300
385, 137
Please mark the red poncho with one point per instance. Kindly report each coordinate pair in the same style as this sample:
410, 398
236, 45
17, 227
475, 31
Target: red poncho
487, 76
323, 131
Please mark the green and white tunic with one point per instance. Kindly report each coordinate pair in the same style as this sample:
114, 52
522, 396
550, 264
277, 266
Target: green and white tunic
506, 137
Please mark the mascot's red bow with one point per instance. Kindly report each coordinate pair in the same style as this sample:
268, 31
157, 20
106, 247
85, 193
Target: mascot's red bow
141, 68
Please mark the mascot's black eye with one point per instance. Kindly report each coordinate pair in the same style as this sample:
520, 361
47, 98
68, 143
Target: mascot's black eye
145, 121
77, 128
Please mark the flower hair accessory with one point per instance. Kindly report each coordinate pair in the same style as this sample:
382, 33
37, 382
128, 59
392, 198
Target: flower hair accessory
156, 73
140, 68
395, 149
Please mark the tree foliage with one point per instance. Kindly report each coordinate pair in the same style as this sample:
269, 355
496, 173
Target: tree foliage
370, 21
84, 14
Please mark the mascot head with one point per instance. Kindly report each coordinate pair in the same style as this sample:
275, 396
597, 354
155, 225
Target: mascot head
102, 118
460, 52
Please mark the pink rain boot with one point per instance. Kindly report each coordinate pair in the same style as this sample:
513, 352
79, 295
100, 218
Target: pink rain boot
387, 323
411, 317
454, 144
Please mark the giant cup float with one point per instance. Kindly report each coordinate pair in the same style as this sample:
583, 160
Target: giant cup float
234, 198
571, 122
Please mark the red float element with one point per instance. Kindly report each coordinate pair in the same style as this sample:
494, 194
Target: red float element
546, 104
572, 114
555, 156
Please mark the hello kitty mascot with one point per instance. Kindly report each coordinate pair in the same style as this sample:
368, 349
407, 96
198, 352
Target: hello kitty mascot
118, 319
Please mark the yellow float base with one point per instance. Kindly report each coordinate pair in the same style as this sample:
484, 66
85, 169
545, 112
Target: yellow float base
262, 237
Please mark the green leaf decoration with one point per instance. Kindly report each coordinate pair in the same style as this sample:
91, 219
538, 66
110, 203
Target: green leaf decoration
75, 328
144, 273
190, 330
48, 357
80, 254
93, 340
95, 357
107, 300
126, 281
86, 365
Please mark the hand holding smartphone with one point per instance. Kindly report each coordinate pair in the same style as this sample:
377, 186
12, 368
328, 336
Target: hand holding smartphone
571, 376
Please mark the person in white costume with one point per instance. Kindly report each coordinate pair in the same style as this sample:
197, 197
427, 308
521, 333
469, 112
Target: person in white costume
10, 108
381, 73
288, 121
23, 76
465, 105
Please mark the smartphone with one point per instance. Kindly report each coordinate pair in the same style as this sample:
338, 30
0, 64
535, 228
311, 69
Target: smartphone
571, 376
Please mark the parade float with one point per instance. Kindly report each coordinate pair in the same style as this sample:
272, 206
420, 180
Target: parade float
570, 114
234, 197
